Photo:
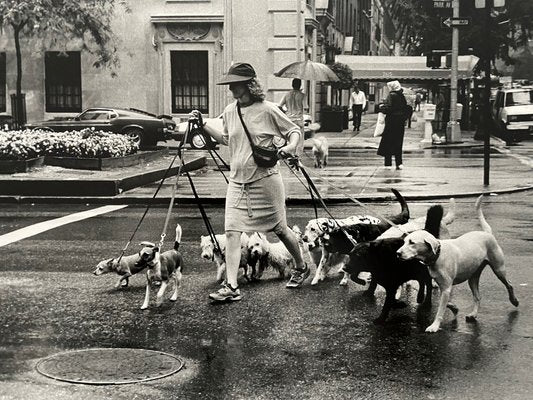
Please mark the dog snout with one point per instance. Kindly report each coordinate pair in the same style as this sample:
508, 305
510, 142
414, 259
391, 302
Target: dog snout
304, 238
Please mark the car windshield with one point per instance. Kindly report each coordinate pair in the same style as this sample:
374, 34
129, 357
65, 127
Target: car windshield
521, 98
95, 114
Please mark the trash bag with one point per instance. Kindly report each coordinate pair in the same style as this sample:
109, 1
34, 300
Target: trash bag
380, 125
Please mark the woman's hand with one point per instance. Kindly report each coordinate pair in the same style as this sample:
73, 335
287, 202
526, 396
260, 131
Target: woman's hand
287, 151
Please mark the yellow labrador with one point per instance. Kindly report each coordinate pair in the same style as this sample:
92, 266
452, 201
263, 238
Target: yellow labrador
454, 261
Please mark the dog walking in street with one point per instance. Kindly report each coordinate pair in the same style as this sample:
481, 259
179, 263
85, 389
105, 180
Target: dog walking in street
211, 253
125, 267
454, 261
265, 253
162, 267
320, 151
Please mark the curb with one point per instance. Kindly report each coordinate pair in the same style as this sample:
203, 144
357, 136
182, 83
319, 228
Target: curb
164, 201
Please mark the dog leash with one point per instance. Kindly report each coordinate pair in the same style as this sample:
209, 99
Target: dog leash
203, 213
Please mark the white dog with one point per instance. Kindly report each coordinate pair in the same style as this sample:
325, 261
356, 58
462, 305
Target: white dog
211, 253
320, 151
454, 261
315, 230
266, 254
419, 223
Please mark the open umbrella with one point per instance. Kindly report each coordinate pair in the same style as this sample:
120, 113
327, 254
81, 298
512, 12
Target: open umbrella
309, 71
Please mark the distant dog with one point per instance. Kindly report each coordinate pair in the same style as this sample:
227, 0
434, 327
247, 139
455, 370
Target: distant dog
124, 266
320, 151
264, 253
454, 261
343, 239
212, 253
162, 267
416, 224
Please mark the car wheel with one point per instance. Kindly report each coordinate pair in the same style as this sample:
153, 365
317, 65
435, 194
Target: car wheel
197, 140
137, 135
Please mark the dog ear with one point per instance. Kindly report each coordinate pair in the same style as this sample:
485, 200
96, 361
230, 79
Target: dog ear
433, 244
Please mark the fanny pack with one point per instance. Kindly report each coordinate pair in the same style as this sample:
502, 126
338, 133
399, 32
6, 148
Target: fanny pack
265, 157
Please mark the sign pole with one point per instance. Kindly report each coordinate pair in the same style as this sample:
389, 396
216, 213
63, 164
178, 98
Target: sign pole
486, 119
453, 128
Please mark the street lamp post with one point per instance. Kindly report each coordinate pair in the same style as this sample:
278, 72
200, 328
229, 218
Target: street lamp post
454, 128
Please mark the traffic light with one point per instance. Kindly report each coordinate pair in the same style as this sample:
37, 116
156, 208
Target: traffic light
433, 60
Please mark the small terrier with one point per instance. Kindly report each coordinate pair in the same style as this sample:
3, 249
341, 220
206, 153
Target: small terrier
162, 267
320, 151
211, 253
124, 266
264, 253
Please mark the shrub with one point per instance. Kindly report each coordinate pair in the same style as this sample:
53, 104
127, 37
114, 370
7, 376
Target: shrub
87, 143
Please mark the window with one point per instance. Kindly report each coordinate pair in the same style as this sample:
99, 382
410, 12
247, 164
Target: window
189, 81
63, 81
2, 82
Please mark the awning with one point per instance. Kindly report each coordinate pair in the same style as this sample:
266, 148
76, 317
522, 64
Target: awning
404, 68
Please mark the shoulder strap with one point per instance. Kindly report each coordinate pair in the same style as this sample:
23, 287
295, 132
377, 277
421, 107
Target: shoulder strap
244, 125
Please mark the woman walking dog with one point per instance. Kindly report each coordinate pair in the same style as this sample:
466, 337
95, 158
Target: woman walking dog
255, 200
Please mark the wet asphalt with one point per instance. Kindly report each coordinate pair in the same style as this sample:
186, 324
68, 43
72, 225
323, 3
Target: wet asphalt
310, 343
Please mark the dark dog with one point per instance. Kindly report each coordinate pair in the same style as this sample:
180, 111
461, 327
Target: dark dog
379, 257
337, 241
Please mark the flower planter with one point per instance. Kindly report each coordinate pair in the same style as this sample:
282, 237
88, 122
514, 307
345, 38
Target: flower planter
12, 166
331, 121
101, 164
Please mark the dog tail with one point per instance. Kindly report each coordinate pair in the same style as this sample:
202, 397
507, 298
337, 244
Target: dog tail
404, 215
177, 241
450, 215
483, 222
433, 220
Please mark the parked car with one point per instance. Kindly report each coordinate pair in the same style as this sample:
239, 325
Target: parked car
512, 111
145, 128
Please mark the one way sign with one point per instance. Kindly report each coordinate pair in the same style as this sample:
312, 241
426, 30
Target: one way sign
449, 22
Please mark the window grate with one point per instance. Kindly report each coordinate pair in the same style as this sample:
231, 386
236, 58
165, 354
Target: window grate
63, 81
189, 80
3, 90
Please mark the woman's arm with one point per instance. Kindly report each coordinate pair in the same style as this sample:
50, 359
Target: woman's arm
216, 134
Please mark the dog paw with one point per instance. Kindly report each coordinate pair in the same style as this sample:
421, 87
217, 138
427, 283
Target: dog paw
432, 329
514, 301
143, 307
343, 282
471, 318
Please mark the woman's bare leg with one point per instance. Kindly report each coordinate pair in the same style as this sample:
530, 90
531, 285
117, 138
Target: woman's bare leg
233, 257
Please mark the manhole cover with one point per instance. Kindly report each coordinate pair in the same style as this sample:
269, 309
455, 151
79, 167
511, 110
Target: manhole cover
109, 366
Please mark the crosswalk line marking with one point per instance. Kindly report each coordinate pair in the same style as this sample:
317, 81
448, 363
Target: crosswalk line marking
44, 226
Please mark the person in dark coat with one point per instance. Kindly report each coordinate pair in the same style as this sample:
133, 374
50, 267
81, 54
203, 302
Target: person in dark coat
395, 110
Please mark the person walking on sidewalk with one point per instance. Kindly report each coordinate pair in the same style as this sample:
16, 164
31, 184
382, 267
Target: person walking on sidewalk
295, 102
395, 110
255, 199
358, 105
418, 101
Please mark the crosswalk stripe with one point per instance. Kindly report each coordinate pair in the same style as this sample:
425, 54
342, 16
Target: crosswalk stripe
44, 226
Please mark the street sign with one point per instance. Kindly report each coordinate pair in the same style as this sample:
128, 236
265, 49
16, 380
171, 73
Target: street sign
449, 22
442, 4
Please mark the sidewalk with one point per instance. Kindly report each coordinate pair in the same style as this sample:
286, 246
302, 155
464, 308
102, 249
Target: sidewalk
354, 168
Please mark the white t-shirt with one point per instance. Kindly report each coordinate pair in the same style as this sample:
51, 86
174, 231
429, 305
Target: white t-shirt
265, 122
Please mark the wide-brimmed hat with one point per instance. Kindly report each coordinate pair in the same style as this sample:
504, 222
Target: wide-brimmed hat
238, 72
394, 86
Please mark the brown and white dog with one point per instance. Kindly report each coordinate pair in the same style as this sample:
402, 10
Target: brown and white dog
162, 267
264, 253
218, 256
454, 261
124, 266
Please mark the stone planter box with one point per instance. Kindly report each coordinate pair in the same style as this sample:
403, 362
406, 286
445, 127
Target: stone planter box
12, 166
101, 164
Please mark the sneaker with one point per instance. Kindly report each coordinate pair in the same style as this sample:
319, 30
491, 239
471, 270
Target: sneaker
388, 167
298, 277
399, 166
226, 293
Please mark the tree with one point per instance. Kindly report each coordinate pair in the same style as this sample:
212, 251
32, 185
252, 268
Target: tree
60, 21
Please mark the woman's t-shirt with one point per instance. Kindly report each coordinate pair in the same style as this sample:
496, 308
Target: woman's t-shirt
267, 125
